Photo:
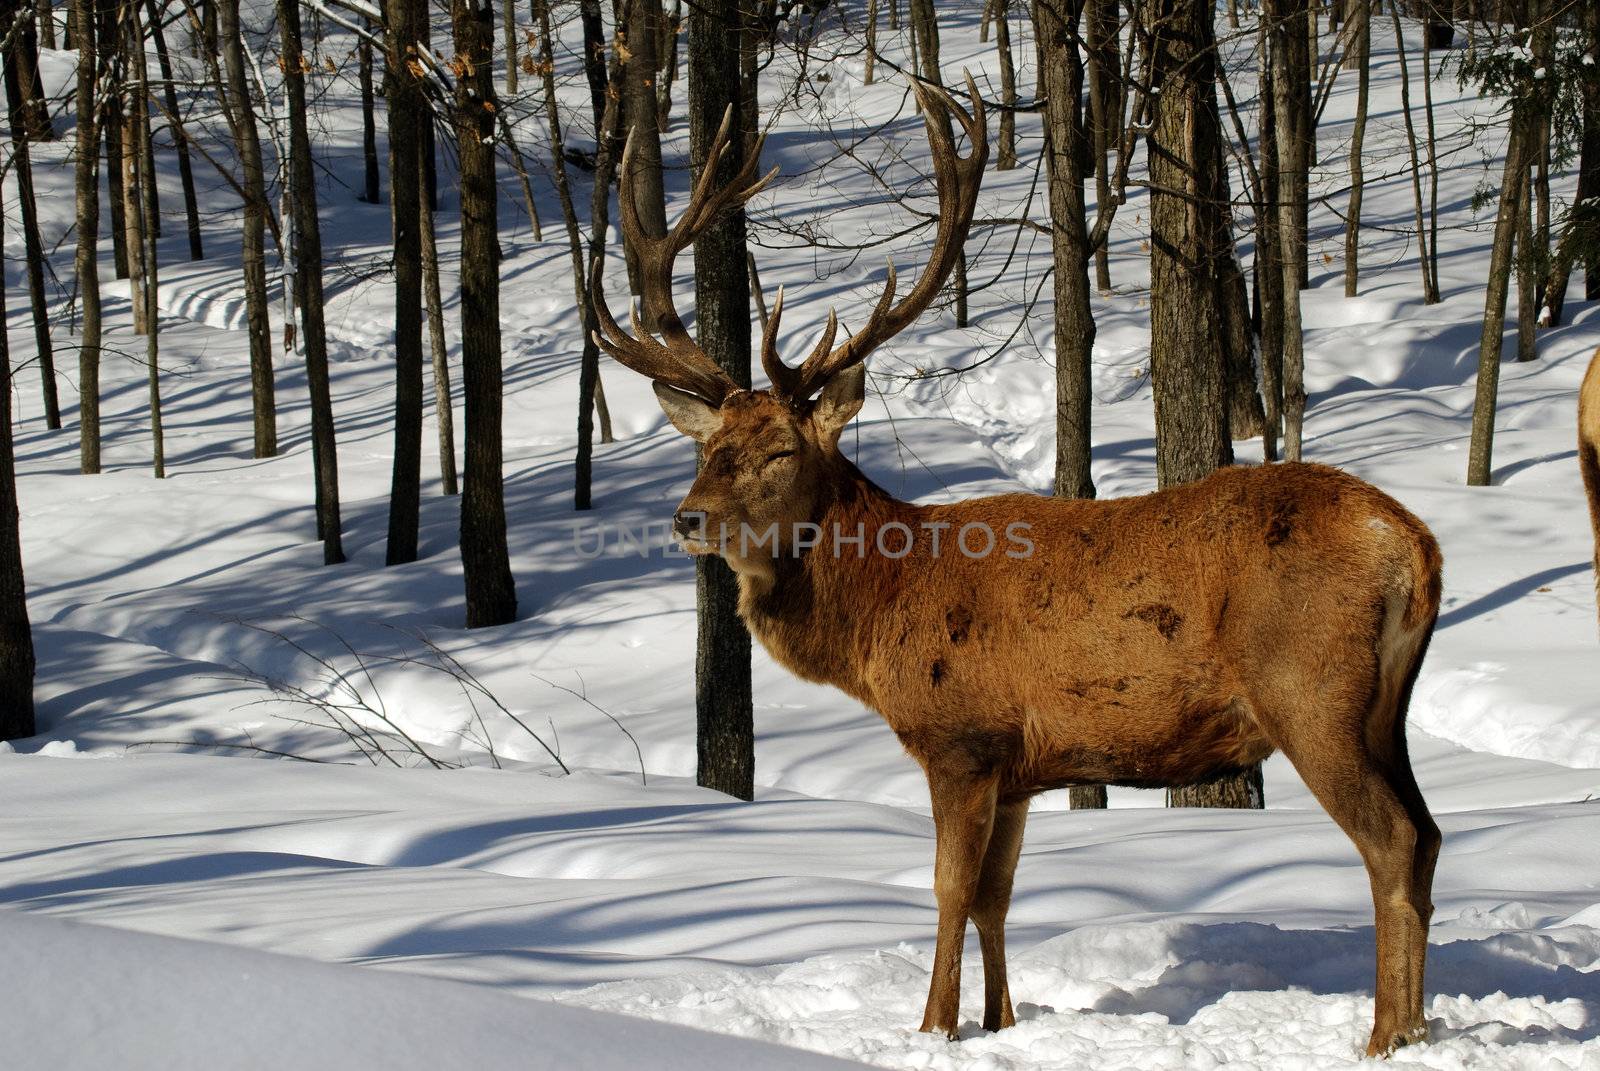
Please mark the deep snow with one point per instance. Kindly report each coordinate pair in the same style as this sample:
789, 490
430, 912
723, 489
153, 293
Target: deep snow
1141, 937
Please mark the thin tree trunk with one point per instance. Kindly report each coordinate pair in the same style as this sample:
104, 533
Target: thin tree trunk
307, 251
191, 209
369, 122
86, 261
1061, 84
111, 120
133, 215
46, 16
1528, 275
253, 250
510, 7
1105, 113
491, 594
1291, 186
872, 43
407, 112
641, 123
594, 60
140, 179
1433, 162
1269, 262
33, 251
668, 50
725, 736
1430, 286
1360, 55
16, 635
1481, 452
1006, 156
591, 399
443, 407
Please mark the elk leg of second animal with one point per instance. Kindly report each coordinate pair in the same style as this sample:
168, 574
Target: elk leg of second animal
963, 815
990, 906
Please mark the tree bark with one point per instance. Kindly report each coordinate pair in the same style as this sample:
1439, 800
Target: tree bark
17, 105
641, 122
111, 121
1430, 286
253, 250
1105, 112
510, 24
443, 408
1287, 105
1006, 155
191, 209
1359, 54
140, 181
594, 60
369, 122
16, 635
1061, 84
725, 738
1515, 174
407, 112
1268, 265
1528, 275
308, 287
1188, 281
491, 593
86, 261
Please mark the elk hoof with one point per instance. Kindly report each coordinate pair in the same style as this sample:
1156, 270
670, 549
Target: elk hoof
949, 1032
1384, 1043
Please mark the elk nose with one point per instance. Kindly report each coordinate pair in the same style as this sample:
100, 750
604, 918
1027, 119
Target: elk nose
686, 523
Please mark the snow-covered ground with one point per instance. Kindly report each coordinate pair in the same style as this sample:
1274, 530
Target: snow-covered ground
1141, 936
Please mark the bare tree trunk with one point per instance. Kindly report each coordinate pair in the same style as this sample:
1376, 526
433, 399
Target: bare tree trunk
1006, 157
1268, 266
254, 253
16, 635
369, 122
1105, 113
1061, 84
133, 216
1292, 20
86, 261
139, 178
111, 120
668, 50
1433, 163
491, 594
408, 111
1187, 291
725, 736
640, 120
594, 59
872, 44
33, 251
46, 16
443, 409
1528, 275
191, 209
510, 46
1359, 54
307, 250
925, 25
1288, 16
1480, 454
1430, 286
1589, 158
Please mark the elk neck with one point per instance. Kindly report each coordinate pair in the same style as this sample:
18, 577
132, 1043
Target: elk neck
815, 614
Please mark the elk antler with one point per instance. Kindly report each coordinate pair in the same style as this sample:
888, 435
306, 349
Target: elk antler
957, 178
680, 363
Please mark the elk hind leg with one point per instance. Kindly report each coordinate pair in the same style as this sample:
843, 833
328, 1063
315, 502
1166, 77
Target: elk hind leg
963, 815
989, 908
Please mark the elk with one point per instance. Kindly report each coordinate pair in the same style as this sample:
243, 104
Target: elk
1151, 641
1589, 452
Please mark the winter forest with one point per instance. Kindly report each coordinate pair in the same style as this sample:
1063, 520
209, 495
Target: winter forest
395, 389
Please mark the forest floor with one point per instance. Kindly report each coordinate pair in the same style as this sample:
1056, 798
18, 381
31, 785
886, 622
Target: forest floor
1141, 936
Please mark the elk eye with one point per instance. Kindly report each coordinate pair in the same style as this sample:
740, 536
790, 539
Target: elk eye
774, 457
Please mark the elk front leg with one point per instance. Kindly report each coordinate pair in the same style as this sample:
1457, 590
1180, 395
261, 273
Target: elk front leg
963, 815
992, 903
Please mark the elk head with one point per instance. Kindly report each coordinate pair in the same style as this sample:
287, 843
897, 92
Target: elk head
770, 457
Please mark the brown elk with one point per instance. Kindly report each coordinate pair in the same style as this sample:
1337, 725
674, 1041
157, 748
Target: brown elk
1589, 452
1152, 641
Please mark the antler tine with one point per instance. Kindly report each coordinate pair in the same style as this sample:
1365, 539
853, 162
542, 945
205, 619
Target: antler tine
782, 375
957, 178
690, 371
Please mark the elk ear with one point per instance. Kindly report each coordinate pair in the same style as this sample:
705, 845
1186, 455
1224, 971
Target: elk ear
688, 414
840, 401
